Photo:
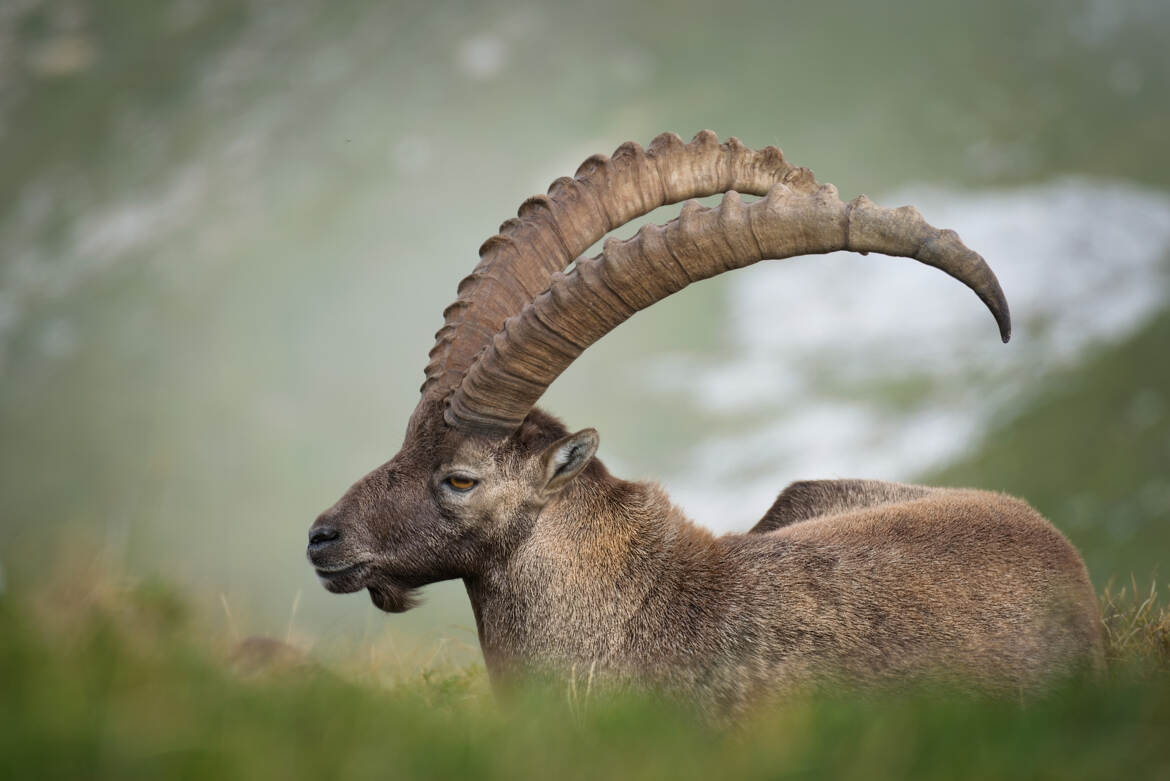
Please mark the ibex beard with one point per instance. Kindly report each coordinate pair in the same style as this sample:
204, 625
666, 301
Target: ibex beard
570, 568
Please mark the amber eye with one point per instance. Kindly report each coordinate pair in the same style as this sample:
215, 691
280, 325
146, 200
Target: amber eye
461, 483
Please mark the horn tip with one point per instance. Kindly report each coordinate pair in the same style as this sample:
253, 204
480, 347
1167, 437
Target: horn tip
1003, 318
997, 303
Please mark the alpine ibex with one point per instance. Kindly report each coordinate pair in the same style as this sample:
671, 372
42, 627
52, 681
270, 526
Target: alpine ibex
570, 567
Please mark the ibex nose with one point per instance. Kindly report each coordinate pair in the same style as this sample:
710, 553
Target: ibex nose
322, 536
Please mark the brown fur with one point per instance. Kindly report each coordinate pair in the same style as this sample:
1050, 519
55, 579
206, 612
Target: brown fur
850, 581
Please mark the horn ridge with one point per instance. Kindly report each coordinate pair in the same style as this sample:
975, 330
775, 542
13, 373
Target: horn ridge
516, 367
550, 231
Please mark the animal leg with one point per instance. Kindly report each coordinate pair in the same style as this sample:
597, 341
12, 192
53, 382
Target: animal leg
807, 499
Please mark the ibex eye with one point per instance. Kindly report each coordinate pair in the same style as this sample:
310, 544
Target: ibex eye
461, 483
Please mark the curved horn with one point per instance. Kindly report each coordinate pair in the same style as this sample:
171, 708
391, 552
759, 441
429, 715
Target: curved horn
552, 231
600, 293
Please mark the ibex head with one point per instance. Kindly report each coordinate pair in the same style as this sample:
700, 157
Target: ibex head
442, 508
479, 462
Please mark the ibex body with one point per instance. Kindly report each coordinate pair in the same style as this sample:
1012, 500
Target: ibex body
568, 567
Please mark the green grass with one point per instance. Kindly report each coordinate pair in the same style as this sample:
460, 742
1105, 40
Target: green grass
104, 679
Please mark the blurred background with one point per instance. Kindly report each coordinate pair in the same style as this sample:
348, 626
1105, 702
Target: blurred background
228, 230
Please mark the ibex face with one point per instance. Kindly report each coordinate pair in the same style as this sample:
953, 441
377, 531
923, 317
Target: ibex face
442, 508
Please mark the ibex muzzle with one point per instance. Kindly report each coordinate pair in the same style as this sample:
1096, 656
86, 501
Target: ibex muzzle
567, 566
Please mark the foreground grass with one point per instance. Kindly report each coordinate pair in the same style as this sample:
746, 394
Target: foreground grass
104, 680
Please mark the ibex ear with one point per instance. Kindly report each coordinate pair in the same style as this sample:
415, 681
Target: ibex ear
565, 458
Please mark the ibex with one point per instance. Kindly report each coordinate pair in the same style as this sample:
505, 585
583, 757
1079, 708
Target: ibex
568, 567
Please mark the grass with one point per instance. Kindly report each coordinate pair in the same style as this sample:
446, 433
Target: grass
104, 678
1137, 628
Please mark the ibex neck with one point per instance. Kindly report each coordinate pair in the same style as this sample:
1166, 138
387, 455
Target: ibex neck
600, 565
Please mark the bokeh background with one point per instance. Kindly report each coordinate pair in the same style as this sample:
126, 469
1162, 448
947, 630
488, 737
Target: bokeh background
228, 229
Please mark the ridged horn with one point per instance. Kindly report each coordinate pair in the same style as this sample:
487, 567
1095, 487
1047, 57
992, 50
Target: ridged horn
600, 293
551, 231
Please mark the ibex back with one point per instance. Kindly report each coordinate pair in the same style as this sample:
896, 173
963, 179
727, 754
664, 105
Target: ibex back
568, 567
